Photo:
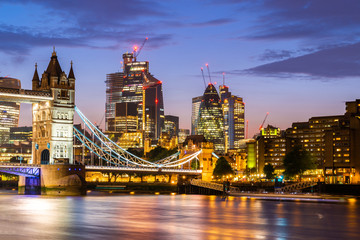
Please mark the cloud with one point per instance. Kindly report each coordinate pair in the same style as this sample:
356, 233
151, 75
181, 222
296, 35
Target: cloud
214, 22
337, 62
276, 55
83, 23
322, 20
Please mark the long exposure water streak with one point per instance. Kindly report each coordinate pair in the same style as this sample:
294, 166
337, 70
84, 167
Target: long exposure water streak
173, 217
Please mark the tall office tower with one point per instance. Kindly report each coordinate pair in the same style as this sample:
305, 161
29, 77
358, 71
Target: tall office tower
171, 126
211, 120
9, 111
196, 101
234, 114
114, 85
134, 100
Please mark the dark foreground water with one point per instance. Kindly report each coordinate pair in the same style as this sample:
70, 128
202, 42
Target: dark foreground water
173, 217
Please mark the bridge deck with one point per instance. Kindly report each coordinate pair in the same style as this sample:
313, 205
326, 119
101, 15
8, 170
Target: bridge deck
23, 95
8, 166
143, 170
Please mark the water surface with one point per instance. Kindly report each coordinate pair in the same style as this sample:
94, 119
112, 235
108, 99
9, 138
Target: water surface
173, 217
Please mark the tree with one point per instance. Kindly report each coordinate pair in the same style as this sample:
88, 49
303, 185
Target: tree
269, 171
297, 161
195, 164
136, 151
222, 168
159, 153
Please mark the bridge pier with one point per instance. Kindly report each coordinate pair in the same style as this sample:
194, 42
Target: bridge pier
63, 180
29, 185
60, 180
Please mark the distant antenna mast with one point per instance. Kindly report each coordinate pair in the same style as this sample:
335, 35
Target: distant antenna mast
207, 65
223, 78
202, 72
247, 129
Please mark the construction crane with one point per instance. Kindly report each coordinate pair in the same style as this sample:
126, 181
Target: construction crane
137, 50
261, 126
202, 72
207, 66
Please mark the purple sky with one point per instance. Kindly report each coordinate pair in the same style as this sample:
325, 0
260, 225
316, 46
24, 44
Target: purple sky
294, 59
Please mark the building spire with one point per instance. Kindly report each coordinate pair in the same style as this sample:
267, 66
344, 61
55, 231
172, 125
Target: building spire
36, 77
53, 53
71, 72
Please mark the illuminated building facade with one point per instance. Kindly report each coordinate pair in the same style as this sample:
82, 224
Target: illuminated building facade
134, 100
332, 141
211, 120
196, 101
272, 147
171, 126
183, 133
234, 114
16, 153
114, 85
9, 111
53, 120
20, 134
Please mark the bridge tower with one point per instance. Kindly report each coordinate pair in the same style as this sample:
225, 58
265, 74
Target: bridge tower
53, 120
207, 160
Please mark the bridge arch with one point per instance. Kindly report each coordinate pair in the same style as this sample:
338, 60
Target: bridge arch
45, 156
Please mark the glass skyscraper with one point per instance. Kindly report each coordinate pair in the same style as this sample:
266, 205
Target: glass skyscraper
211, 120
234, 114
9, 111
134, 100
196, 101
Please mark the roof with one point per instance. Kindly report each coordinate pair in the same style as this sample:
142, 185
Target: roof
71, 73
36, 75
54, 69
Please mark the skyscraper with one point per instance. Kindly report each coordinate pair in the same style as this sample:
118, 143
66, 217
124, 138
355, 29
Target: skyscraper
134, 100
171, 126
211, 120
114, 85
196, 101
234, 112
9, 111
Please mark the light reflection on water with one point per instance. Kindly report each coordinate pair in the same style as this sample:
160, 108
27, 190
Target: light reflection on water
173, 217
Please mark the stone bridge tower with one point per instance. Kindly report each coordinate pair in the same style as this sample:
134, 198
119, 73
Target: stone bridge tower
207, 161
53, 120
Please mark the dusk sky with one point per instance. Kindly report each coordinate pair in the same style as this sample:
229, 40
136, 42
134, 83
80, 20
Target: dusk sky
294, 59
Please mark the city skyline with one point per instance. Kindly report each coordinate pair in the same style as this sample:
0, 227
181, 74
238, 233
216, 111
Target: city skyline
294, 60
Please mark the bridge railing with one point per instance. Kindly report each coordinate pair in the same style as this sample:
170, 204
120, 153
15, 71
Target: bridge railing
211, 185
25, 165
150, 169
298, 186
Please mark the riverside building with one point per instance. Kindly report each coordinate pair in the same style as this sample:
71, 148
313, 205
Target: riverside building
332, 141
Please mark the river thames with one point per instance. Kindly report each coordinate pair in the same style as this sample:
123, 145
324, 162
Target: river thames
173, 217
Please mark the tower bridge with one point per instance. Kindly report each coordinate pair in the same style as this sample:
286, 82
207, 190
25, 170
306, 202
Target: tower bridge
52, 167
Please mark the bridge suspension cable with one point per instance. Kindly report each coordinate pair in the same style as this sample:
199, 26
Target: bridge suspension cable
116, 155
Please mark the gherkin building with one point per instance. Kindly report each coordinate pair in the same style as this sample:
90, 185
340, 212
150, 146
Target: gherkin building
211, 119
